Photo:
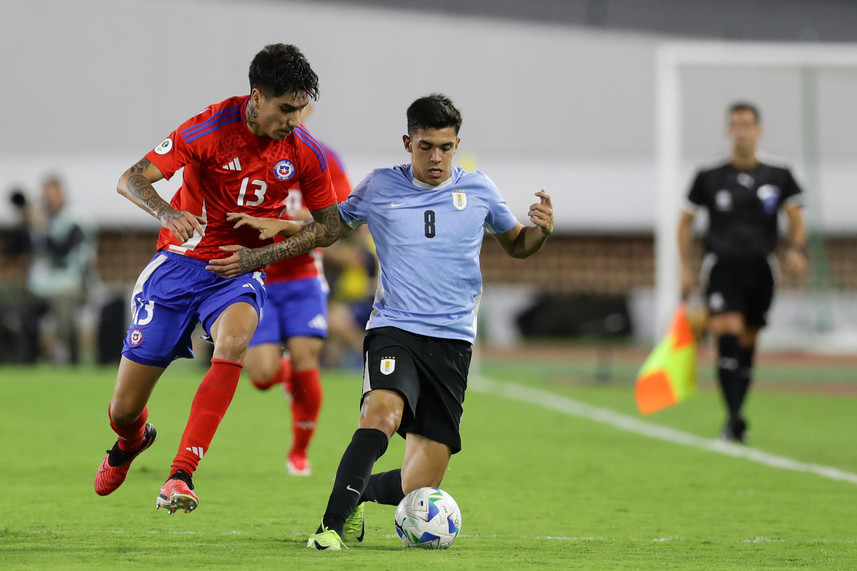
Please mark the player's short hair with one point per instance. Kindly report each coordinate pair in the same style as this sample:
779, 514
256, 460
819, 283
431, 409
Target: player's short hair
433, 111
282, 68
745, 106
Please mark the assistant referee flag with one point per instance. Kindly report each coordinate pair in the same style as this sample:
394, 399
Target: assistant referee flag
669, 374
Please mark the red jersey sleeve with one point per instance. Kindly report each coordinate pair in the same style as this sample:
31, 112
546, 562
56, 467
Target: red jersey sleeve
179, 149
341, 184
315, 181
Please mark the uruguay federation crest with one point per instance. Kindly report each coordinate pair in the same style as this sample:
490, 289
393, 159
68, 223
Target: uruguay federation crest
459, 200
388, 365
284, 170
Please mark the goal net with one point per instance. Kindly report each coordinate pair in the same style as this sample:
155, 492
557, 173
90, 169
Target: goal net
806, 97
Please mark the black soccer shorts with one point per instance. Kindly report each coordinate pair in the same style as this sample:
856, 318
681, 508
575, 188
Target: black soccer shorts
429, 372
742, 286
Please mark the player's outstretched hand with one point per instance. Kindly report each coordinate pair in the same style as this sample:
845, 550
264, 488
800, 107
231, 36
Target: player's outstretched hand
183, 224
238, 263
541, 213
267, 227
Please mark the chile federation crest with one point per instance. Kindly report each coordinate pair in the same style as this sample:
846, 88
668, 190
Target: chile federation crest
284, 169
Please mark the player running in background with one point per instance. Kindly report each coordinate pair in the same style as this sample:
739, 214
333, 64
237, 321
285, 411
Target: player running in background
242, 154
295, 314
428, 220
743, 197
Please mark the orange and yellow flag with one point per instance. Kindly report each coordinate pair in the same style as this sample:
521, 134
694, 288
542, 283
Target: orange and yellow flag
669, 374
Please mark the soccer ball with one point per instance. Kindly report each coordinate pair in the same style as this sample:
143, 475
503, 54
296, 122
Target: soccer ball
428, 518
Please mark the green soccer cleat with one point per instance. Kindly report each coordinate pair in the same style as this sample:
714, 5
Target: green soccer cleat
327, 539
355, 525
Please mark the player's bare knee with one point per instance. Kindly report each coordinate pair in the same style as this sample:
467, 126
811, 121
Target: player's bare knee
383, 410
304, 352
231, 346
261, 369
259, 374
388, 424
384, 419
304, 362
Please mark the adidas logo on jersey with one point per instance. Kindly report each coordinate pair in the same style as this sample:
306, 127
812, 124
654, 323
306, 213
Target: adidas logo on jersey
233, 165
198, 450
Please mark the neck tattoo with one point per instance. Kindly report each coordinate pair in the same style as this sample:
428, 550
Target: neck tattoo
252, 113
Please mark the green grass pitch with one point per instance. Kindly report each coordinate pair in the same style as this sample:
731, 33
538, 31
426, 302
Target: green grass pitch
538, 488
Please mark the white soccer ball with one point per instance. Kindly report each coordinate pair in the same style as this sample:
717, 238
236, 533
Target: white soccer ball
428, 518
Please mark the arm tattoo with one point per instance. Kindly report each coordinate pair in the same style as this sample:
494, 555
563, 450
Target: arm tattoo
324, 230
140, 187
140, 167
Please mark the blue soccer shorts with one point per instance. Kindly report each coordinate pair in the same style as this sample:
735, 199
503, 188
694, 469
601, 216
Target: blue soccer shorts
171, 295
293, 309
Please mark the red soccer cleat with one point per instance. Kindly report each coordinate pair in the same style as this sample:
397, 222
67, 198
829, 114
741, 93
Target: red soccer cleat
298, 465
177, 494
114, 468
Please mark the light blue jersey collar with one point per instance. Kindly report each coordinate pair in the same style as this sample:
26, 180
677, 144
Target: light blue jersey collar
426, 186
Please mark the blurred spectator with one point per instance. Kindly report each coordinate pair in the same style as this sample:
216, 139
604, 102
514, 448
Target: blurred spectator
17, 240
16, 245
352, 270
61, 270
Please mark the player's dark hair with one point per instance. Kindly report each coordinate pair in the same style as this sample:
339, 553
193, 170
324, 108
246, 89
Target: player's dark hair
433, 111
744, 106
281, 68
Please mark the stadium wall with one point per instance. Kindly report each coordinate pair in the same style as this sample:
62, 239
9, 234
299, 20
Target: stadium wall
574, 288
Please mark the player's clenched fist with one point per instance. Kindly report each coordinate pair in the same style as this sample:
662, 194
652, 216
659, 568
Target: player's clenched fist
541, 213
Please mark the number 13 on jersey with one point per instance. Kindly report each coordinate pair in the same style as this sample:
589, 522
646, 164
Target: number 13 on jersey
257, 188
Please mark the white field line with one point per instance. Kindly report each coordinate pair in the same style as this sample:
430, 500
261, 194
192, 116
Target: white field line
628, 423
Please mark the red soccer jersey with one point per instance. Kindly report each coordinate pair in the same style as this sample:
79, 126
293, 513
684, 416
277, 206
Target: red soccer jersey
229, 169
307, 265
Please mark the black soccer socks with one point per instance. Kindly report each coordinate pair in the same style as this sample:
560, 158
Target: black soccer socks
384, 488
352, 476
745, 370
728, 373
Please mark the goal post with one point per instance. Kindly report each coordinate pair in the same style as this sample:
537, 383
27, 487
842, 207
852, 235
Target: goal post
674, 60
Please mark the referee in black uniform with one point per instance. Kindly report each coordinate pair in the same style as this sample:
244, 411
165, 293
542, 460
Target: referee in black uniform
743, 197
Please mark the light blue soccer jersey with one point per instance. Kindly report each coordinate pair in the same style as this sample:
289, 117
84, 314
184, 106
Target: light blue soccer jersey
428, 241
